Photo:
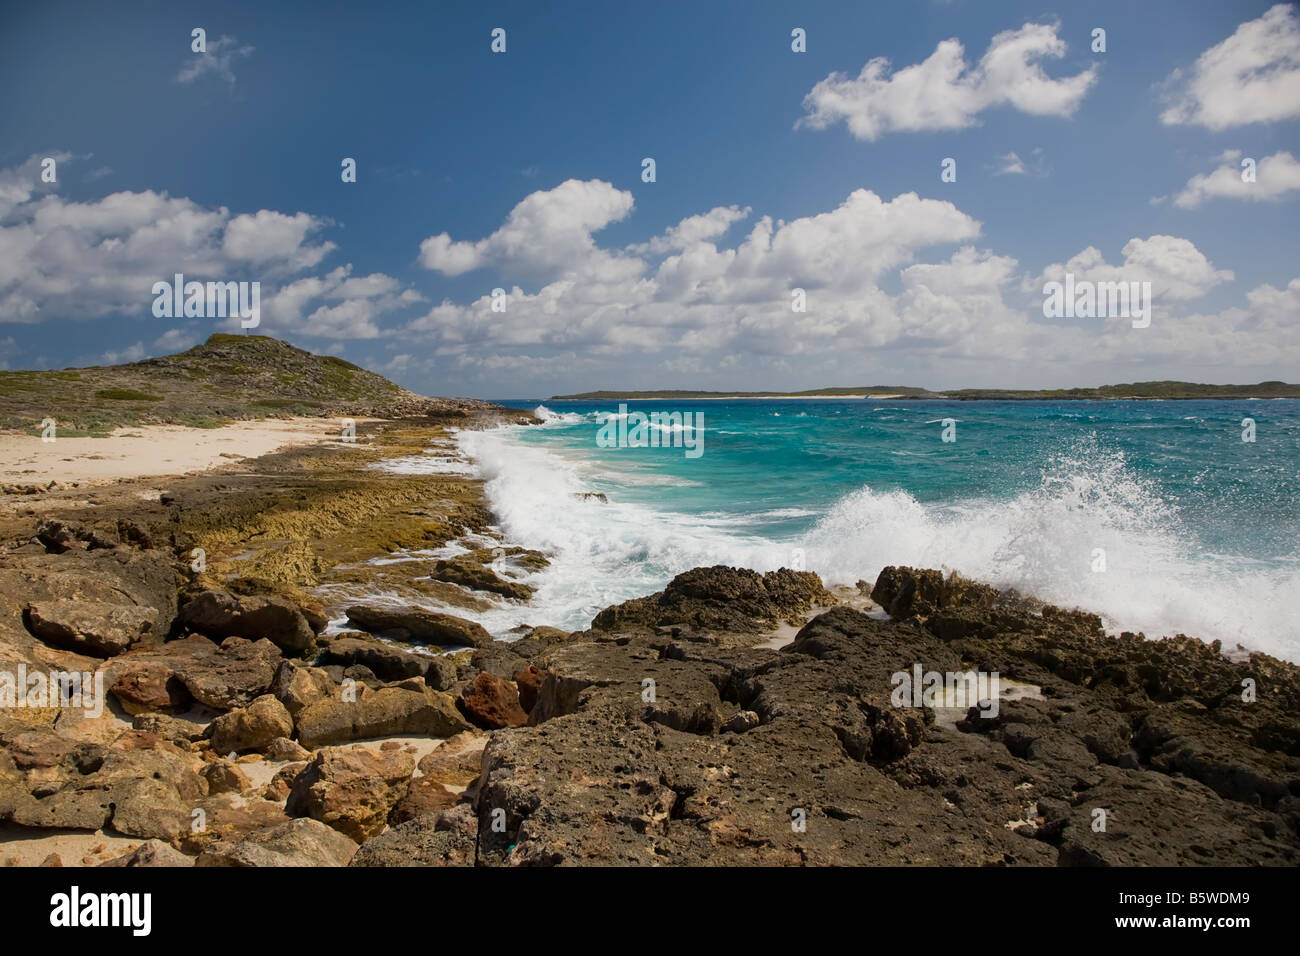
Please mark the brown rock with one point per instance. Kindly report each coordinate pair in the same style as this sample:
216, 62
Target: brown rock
491, 702
351, 790
150, 687
252, 727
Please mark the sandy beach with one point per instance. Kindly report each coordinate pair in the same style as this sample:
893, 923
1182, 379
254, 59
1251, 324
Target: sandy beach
153, 450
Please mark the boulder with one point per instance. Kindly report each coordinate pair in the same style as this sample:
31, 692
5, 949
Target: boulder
448, 838
251, 728
102, 630
150, 686
491, 702
302, 842
351, 790
224, 776
238, 673
529, 681
722, 599
419, 625
218, 613
422, 797
296, 685
387, 712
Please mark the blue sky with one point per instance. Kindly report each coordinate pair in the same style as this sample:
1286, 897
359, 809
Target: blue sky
790, 170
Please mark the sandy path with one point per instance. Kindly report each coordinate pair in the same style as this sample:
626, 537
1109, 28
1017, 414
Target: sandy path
152, 450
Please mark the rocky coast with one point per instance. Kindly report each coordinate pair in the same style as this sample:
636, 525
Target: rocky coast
263, 709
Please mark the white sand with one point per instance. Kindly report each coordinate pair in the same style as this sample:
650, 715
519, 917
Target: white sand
153, 450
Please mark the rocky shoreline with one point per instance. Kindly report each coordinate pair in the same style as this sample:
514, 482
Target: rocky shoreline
261, 710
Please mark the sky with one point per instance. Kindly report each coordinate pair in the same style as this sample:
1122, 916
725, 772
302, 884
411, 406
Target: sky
1113, 157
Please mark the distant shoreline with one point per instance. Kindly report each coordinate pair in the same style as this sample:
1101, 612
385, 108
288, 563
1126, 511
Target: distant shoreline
1139, 391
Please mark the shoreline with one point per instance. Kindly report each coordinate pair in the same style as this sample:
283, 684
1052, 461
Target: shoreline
769, 692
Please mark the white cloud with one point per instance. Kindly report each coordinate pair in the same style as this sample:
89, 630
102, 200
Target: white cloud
65, 259
1176, 269
944, 92
132, 353
547, 234
1251, 77
176, 340
218, 61
1276, 176
336, 305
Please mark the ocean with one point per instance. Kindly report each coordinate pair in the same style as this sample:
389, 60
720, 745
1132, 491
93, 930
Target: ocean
1154, 514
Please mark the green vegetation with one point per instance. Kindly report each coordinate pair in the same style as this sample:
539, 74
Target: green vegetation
227, 378
126, 395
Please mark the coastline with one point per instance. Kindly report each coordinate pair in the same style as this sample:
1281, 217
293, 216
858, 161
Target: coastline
771, 695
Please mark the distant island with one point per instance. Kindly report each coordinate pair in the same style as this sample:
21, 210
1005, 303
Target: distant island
1135, 390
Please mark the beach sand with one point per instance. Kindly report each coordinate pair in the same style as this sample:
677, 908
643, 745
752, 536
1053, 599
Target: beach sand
153, 450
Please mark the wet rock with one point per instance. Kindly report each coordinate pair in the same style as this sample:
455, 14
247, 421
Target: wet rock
419, 626
469, 573
351, 790
385, 661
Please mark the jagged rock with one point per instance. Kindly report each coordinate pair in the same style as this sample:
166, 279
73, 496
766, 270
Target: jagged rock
351, 790
419, 626
92, 628
238, 673
722, 599
491, 702
252, 727
387, 712
296, 685
219, 613
443, 839
908, 592
302, 842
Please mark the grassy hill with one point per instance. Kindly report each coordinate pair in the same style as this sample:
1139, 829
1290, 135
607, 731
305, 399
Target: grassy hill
227, 377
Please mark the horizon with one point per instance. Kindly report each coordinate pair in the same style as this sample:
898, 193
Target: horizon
1152, 167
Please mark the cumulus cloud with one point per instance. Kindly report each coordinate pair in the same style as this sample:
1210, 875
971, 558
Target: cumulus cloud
547, 234
944, 92
1276, 177
132, 353
218, 61
63, 259
1176, 269
1251, 77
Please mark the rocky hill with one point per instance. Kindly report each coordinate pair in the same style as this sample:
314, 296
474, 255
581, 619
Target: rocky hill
227, 377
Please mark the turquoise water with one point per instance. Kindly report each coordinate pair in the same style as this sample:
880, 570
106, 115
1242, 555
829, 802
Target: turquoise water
1154, 514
